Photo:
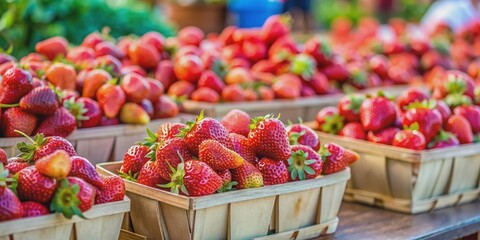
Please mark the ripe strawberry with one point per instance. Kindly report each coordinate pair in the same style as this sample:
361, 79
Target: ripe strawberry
444, 110
460, 126
444, 139
86, 194
269, 138
3, 157
144, 55
52, 47
202, 129
247, 176
156, 89
353, 130
455, 81
319, 49
307, 91
411, 139
108, 48
233, 93
80, 55
86, 111
318, 83
218, 156
17, 119
10, 205
303, 135
349, 106
181, 88
377, 113
329, 120
273, 172
165, 107
15, 164
111, 99
93, 80
113, 190
212, 80
254, 49
62, 123
227, 183
14, 85
238, 75
240, 145
384, 136
205, 94
472, 114
335, 160
134, 159
56, 165
336, 72
190, 35
428, 119
167, 153
92, 39
33, 209
266, 93
287, 86
108, 62
236, 121
62, 75
83, 169
42, 146
169, 130
149, 175
41, 100
275, 27
409, 96
132, 113
155, 39
33, 186
135, 87
188, 68
305, 163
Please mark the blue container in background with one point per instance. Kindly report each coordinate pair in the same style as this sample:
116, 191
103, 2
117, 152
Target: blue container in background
253, 13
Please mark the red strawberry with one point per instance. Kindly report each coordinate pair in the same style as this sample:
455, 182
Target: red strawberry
287, 86
156, 89
336, 72
444, 110
15, 164
108, 62
303, 135
33, 186
165, 107
86, 111
254, 49
205, 94
233, 93
17, 119
169, 130
319, 49
62, 75
428, 119
379, 65
92, 39
384, 136
273, 172
269, 138
188, 68
62, 123
218, 156
83, 169
190, 35
33, 209
164, 73
211, 80
86, 193
134, 159
460, 126
247, 176
227, 183
56, 165
52, 47
3, 157
349, 107
81, 55
305, 163
236, 121
136, 88
41, 100
353, 130
472, 114
240, 145
10, 205
329, 120
93, 81
167, 154
153, 38
149, 175
377, 113
111, 98
444, 139
319, 83
411, 139
411, 95
202, 129
42, 146
181, 88
108, 48
275, 27
266, 93
144, 55
114, 190
335, 160
455, 81
15, 84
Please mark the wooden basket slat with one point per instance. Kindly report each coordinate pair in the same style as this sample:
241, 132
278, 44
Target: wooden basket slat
426, 179
441, 184
297, 210
329, 205
399, 175
309, 232
366, 173
465, 173
95, 228
242, 214
145, 210
54, 232
176, 220
211, 223
96, 149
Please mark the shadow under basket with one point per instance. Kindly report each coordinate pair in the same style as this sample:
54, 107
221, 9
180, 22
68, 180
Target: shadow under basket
411, 181
297, 210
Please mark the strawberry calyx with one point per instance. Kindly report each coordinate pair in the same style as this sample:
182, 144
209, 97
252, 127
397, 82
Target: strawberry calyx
151, 142
77, 109
455, 84
66, 200
58, 91
359, 77
28, 150
190, 124
227, 187
303, 65
4, 105
6, 180
414, 127
220, 68
355, 103
333, 124
294, 136
128, 176
286, 20
440, 137
298, 165
457, 99
255, 121
324, 153
176, 185
425, 104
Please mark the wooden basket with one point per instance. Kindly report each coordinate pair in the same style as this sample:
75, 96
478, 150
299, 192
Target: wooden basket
103, 221
298, 210
411, 181
102, 144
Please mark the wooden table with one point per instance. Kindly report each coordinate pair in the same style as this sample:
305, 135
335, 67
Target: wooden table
364, 222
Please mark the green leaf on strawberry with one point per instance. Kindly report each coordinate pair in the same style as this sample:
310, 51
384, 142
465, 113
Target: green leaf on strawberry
66, 200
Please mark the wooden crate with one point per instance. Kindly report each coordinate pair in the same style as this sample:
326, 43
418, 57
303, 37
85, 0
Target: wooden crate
102, 144
103, 221
411, 181
298, 210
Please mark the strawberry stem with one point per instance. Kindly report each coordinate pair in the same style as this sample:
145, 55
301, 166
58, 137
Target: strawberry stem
66, 200
25, 135
4, 105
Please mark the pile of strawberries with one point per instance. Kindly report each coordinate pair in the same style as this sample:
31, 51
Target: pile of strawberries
206, 156
416, 120
49, 177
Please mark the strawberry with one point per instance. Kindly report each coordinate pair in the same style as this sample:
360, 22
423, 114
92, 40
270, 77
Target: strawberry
247, 176
236, 121
194, 178
275, 27
211, 80
62, 123
287, 86
169, 130
238, 75
266, 93
167, 153
144, 55
304, 163
135, 87
303, 135
52, 47
254, 49
273, 172
411, 139
334, 156
108, 62
460, 127
319, 49
190, 35
409, 96
56, 165
353, 130
384, 136
132, 113
41, 100
134, 159
379, 65
42, 146
444, 110
329, 120
227, 183
105, 121
472, 114
428, 119
456, 99
114, 190
318, 83
111, 98
62, 75
93, 80
33, 186
17, 119
86, 111
86, 194
165, 107
336, 72
181, 88
444, 139
15, 164
83, 169
455, 81
33, 209
81, 55
307, 91
108, 48
3, 157
205, 94
15, 84
149, 175
349, 106
233, 93
377, 113
240, 145
303, 65
218, 156
10, 205
202, 129
188, 68
154, 39
156, 89
269, 138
